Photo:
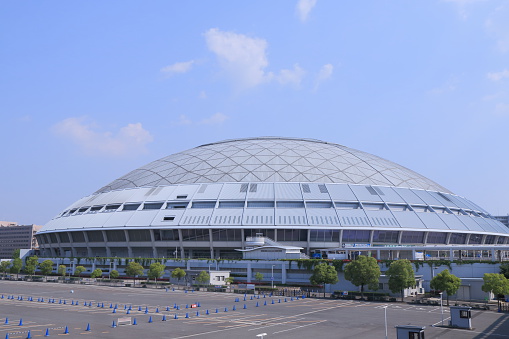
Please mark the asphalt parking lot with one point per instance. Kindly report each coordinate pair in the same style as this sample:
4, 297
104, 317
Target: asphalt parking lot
54, 307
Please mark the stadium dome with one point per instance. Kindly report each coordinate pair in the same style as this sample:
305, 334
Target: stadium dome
205, 202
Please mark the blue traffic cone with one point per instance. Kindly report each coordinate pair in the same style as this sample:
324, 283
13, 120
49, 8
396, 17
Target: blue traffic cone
187, 315
114, 310
66, 331
113, 324
47, 333
29, 335
234, 308
134, 322
197, 313
198, 304
116, 306
167, 308
236, 300
164, 318
272, 302
146, 311
279, 301
187, 305
185, 291
7, 336
72, 303
2, 296
178, 307
244, 306
176, 316
139, 308
65, 302
6, 320
264, 296
130, 307
98, 304
291, 298
207, 312
286, 300
128, 312
157, 309
77, 302
251, 298
257, 304
85, 304
150, 319
217, 311
20, 322
258, 296
102, 305
173, 289
111, 305
244, 298
265, 303
226, 309
125, 307
88, 327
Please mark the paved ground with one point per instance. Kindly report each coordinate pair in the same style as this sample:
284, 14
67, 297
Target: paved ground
303, 318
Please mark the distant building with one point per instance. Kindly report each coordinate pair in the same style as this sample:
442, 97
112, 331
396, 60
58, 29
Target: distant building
504, 219
14, 236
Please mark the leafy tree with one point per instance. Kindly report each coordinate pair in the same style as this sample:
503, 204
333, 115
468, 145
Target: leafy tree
401, 275
16, 265
363, 271
97, 273
114, 274
46, 267
324, 274
178, 274
445, 281
504, 269
15, 254
258, 276
497, 284
229, 280
31, 264
79, 269
62, 270
4, 266
134, 269
203, 278
155, 271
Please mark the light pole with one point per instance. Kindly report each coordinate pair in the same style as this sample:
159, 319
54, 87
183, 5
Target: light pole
109, 270
272, 276
385, 316
442, 307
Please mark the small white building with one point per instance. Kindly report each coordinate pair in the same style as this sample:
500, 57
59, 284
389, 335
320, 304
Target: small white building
260, 247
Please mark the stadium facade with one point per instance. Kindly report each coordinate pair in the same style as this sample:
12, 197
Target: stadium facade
205, 202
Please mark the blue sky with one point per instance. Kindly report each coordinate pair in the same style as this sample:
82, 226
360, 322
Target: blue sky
91, 90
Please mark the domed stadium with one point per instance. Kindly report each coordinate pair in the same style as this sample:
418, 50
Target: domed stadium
205, 202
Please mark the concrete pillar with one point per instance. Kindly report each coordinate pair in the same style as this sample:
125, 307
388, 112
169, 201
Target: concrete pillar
283, 273
249, 272
451, 254
493, 254
129, 249
108, 250
89, 249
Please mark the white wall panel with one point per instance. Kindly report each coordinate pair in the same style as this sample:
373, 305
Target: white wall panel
208, 192
409, 219
142, 218
453, 221
341, 192
432, 221
226, 216
161, 193
389, 195
470, 223
363, 194
232, 192
408, 195
263, 192
382, 218
354, 217
119, 219
322, 216
188, 190
198, 216
258, 217
290, 191
138, 195
426, 197
159, 218
315, 193
98, 219
291, 216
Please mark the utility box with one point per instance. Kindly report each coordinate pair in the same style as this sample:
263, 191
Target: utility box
461, 317
409, 332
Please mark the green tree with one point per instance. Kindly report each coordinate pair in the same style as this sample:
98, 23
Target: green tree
4, 266
203, 278
62, 270
363, 271
229, 280
16, 265
155, 271
134, 269
79, 269
46, 267
97, 273
178, 274
497, 284
114, 274
401, 275
31, 264
324, 274
15, 254
504, 269
258, 276
445, 281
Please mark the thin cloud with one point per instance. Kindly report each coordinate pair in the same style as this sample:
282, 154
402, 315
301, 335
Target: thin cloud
303, 9
215, 119
128, 140
184, 120
291, 76
243, 58
496, 76
324, 74
178, 67
462, 6
502, 109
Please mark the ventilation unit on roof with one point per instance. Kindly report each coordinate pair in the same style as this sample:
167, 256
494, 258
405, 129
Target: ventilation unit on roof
305, 188
203, 188
243, 188
253, 188
371, 190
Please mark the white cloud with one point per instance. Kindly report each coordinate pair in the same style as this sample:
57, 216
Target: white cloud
449, 86
184, 120
243, 57
215, 119
203, 95
497, 27
178, 67
129, 140
291, 76
324, 74
496, 76
462, 6
304, 7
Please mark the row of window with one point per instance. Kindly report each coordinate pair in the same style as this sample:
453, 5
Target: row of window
349, 236
270, 204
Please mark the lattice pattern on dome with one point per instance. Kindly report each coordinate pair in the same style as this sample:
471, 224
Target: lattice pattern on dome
272, 159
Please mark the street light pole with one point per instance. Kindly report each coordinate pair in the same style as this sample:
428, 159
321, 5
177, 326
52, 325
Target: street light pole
385, 316
442, 307
272, 277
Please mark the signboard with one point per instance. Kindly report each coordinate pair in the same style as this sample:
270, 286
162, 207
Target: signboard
345, 292
194, 305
